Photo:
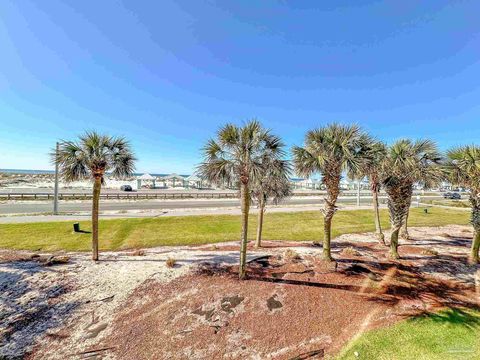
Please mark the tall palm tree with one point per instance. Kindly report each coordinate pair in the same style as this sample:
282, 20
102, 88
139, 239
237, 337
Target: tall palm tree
407, 162
463, 169
90, 157
375, 152
272, 184
330, 151
236, 157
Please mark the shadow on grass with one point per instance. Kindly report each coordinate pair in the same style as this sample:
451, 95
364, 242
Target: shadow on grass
453, 316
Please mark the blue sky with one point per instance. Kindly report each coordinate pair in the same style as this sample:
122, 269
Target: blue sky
167, 74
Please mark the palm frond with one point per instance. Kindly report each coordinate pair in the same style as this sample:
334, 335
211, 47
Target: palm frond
238, 153
462, 167
93, 155
412, 162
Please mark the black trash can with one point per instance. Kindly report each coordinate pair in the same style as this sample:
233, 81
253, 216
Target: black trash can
76, 227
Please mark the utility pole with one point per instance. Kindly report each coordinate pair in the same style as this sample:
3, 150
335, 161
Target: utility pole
358, 193
55, 195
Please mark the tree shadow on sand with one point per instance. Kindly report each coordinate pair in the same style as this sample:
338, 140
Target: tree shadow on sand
28, 309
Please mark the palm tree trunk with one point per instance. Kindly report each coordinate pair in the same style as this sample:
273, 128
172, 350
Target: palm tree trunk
327, 231
378, 224
394, 243
97, 185
475, 247
261, 211
404, 229
333, 189
398, 205
475, 201
245, 207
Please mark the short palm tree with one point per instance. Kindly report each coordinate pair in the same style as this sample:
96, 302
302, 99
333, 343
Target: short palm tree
406, 163
90, 158
375, 152
463, 169
273, 185
236, 157
330, 151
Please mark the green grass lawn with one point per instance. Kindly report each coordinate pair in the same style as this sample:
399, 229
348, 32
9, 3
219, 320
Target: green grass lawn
454, 203
448, 335
186, 230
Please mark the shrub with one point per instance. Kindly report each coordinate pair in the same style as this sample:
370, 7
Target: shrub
350, 251
171, 262
291, 255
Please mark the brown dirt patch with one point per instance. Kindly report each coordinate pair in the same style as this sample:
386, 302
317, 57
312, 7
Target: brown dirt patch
213, 317
289, 306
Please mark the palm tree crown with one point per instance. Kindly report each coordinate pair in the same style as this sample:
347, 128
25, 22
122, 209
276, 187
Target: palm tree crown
237, 154
374, 154
330, 151
463, 167
274, 181
93, 155
410, 162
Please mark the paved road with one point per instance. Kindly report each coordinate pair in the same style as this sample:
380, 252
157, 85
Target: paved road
30, 207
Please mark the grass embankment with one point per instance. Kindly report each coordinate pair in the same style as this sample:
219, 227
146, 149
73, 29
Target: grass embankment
450, 334
188, 230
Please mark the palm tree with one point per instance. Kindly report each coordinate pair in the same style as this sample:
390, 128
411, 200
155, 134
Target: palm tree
375, 152
463, 169
407, 162
236, 157
90, 158
330, 151
272, 184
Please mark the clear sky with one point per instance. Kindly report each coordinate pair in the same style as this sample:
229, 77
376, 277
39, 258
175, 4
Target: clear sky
166, 74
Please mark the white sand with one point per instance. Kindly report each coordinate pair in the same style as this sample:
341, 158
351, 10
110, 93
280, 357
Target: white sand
80, 298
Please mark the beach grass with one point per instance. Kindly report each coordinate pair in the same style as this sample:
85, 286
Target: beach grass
192, 230
447, 335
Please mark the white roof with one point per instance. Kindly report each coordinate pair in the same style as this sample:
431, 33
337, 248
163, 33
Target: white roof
146, 177
193, 178
173, 176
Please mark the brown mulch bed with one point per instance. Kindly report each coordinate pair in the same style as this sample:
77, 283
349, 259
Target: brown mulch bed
293, 305
286, 309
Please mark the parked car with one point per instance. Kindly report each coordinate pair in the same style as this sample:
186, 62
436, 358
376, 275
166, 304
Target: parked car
126, 188
452, 196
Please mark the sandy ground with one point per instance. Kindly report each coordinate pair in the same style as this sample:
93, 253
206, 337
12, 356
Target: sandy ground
40, 303
130, 306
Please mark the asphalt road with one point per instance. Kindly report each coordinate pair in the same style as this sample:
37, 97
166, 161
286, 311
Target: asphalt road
30, 207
